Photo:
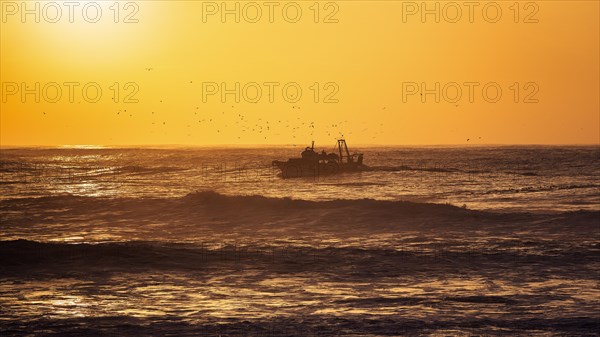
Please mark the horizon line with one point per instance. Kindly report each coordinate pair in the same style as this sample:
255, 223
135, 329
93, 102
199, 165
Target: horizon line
108, 146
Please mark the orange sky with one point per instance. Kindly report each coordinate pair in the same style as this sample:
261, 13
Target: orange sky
369, 62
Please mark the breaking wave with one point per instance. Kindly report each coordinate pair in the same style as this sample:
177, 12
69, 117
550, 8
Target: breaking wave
347, 211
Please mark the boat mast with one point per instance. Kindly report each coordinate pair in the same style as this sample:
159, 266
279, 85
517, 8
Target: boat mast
342, 142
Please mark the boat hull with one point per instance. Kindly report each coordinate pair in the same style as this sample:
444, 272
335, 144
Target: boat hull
295, 168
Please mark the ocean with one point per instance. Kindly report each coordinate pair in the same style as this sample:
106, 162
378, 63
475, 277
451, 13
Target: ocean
207, 241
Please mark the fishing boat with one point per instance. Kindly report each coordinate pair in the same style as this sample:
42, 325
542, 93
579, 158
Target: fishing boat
312, 163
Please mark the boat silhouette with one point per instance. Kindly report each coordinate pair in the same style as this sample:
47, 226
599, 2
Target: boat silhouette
312, 163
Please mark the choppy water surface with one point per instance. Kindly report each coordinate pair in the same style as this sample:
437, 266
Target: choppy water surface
430, 241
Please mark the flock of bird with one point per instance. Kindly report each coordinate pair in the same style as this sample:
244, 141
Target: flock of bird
247, 125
